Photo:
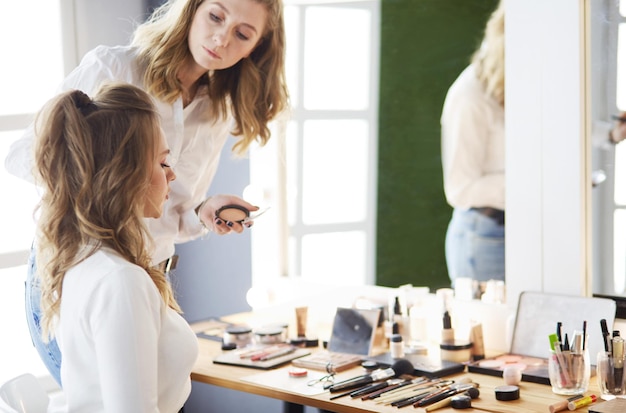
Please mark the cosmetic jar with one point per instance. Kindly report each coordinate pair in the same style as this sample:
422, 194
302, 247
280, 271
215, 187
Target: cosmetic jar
284, 327
269, 335
457, 351
241, 336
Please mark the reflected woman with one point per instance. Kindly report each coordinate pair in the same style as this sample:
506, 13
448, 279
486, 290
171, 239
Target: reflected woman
472, 128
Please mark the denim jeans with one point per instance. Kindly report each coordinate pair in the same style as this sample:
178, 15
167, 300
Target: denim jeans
474, 247
49, 352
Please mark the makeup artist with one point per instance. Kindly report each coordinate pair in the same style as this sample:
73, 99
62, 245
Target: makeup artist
472, 133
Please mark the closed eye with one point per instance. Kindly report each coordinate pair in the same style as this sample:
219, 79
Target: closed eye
242, 36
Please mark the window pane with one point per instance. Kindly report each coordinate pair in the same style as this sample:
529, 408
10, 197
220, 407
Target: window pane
292, 26
621, 67
291, 161
337, 58
620, 175
37, 67
16, 218
334, 258
619, 247
334, 171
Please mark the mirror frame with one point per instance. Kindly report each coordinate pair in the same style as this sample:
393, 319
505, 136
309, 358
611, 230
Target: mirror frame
548, 164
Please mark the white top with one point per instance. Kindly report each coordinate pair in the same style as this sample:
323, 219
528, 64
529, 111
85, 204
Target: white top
472, 145
123, 349
194, 140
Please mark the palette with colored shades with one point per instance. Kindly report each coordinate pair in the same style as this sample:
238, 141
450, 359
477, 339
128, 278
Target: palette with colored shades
533, 369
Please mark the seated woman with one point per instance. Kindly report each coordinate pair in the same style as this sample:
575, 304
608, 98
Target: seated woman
102, 163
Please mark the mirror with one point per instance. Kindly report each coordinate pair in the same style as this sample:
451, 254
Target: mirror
608, 160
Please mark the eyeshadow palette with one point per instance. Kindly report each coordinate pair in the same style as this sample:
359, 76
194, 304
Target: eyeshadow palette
533, 369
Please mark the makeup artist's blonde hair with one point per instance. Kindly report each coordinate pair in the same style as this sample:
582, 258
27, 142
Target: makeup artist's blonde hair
92, 158
254, 89
489, 58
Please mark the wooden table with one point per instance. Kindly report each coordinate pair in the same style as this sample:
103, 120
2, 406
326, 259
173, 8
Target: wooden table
533, 397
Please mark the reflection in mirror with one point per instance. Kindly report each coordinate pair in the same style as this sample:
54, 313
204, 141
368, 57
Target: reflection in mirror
608, 99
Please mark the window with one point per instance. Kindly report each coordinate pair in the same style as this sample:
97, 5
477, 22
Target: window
319, 172
33, 68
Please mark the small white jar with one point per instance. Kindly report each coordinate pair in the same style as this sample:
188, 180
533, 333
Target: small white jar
457, 351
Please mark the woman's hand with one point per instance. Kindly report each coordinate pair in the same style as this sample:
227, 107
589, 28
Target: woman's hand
618, 133
207, 214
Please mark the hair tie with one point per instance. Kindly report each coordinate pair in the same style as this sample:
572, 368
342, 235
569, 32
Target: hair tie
83, 103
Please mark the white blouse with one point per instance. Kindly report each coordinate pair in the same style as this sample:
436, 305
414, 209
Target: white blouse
123, 348
472, 130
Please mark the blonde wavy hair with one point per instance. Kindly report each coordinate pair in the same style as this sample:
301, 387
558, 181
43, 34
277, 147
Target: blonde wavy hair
92, 160
254, 89
489, 58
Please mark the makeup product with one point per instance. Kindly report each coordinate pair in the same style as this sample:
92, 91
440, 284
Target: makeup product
237, 213
618, 345
399, 368
396, 346
562, 405
507, 393
447, 333
478, 345
298, 372
304, 342
398, 317
269, 335
301, 321
454, 389
606, 336
459, 401
512, 375
456, 351
391, 387
277, 353
583, 401
240, 336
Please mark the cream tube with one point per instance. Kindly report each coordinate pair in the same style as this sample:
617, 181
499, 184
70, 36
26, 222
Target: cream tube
301, 320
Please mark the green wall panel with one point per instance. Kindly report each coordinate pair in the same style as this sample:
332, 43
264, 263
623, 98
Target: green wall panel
425, 44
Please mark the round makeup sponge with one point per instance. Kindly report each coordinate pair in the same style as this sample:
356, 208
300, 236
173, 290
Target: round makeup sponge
512, 375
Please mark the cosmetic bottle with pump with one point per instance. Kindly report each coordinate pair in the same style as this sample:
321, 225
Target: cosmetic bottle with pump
398, 317
447, 333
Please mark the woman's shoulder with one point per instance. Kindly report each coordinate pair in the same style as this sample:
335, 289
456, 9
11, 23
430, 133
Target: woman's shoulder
118, 60
467, 92
111, 53
107, 266
467, 83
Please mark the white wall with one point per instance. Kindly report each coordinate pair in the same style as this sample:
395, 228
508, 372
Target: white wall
93, 23
546, 161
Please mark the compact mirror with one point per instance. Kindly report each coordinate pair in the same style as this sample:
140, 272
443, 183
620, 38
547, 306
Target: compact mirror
237, 213
232, 213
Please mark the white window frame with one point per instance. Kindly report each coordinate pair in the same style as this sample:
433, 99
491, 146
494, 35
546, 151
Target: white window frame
281, 232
